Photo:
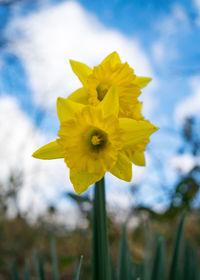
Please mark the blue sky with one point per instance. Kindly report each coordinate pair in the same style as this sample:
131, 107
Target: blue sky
148, 23
160, 39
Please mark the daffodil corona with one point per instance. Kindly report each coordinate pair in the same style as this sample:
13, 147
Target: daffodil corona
93, 140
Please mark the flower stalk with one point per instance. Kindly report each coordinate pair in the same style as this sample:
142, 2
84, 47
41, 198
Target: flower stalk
100, 258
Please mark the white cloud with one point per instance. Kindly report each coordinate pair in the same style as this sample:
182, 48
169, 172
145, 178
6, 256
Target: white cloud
1, 63
179, 13
184, 163
176, 21
42, 180
177, 18
197, 6
197, 3
190, 106
49, 38
158, 51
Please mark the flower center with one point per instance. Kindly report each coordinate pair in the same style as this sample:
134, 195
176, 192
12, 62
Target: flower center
101, 91
98, 139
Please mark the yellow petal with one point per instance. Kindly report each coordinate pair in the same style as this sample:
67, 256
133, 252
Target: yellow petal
80, 96
113, 58
82, 180
52, 150
133, 132
142, 81
138, 158
81, 70
110, 103
66, 108
123, 168
137, 112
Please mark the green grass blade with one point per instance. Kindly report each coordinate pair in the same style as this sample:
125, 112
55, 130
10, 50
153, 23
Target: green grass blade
100, 251
36, 265
159, 262
176, 253
26, 271
54, 259
187, 261
130, 266
112, 270
15, 275
194, 261
79, 269
125, 265
146, 273
41, 266
122, 260
138, 271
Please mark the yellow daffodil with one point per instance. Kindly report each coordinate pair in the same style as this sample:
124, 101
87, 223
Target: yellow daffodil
96, 85
93, 140
111, 72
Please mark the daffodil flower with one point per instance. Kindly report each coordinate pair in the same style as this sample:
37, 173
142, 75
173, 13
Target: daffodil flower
93, 140
96, 84
111, 72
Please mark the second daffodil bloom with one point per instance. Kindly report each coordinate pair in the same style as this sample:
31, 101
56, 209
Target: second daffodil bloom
93, 140
111, 72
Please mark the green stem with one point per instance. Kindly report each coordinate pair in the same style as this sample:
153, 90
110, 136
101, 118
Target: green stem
101, 260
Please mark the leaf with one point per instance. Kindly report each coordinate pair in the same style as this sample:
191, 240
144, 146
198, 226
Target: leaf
147, 254
130, 266
77, 198
36, 265
41, 265
176, 254
122, 260
159, 262
15, 275
187, 261
54, 259
112, 270
79, 269
26, 271
194, 265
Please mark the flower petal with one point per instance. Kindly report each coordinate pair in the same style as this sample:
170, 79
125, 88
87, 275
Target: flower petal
80, 96
133, 132
142, 81
110, 103
52, 150
123, 168
113, 58
137, 111
66, 108
81, 70
82, 180
138, 158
